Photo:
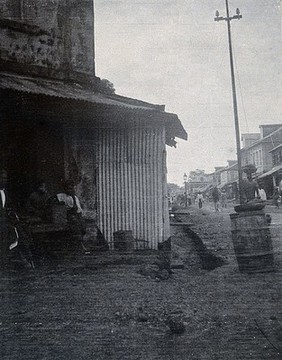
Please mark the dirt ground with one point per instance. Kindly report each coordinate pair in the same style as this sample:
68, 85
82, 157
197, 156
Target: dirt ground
100, 307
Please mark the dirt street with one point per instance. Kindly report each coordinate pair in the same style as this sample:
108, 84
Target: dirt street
101, 307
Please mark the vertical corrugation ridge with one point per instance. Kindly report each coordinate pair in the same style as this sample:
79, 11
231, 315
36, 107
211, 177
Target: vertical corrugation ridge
106, 180
154, 161
160, 186
120, 189
135, 192
165, 216
157, 210
114, 180
149, 184
111, 182
143, 199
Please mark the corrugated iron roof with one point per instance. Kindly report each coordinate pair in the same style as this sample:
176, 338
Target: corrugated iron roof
62, 89
74, 91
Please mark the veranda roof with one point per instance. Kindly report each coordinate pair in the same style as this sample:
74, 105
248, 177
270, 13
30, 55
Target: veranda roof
76, 92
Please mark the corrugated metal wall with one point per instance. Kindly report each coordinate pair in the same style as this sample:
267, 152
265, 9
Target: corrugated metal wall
131, 183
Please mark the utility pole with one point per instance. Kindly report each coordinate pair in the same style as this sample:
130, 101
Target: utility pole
235, 108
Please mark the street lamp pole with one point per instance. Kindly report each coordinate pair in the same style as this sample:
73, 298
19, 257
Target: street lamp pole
235, 108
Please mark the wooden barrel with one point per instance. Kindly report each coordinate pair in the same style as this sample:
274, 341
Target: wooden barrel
123, 240
252, 241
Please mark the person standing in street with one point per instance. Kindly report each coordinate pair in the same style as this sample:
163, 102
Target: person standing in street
223, 199
215, 197
200, 200
276, 197
261, 193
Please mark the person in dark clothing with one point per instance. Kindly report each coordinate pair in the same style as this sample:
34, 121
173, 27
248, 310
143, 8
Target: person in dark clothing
72, 204
223, 199
75, 220
200, 200
38, 201
7, 233
215, 197
276, 197
14, 241
250, 189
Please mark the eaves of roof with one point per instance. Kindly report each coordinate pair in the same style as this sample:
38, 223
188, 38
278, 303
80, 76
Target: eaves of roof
277, 147
271, 171
76, 92
219, 171
232, 167
73, 91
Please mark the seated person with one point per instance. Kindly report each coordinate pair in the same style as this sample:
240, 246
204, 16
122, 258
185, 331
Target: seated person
69, 198
74, 210
76, 221
38, 203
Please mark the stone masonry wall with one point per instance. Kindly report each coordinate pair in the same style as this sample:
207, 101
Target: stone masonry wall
41, 37
40, 49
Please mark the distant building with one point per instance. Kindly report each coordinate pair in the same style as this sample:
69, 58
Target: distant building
216, 175
249, 138
273, 177
258, 152
198, 181
229, 179
229, 173
262, 151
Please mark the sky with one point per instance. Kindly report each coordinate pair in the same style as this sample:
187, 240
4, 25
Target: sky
172, 52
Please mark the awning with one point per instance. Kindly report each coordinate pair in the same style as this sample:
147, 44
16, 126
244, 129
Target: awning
277, 147
66, 90
202, 188
270, 172
220, 186
74, 91
207, 187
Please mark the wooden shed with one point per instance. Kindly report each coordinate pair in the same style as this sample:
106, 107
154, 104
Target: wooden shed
113, 146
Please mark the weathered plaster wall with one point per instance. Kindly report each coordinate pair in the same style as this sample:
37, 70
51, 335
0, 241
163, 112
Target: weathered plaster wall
49, 35
82, 35
45, 50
